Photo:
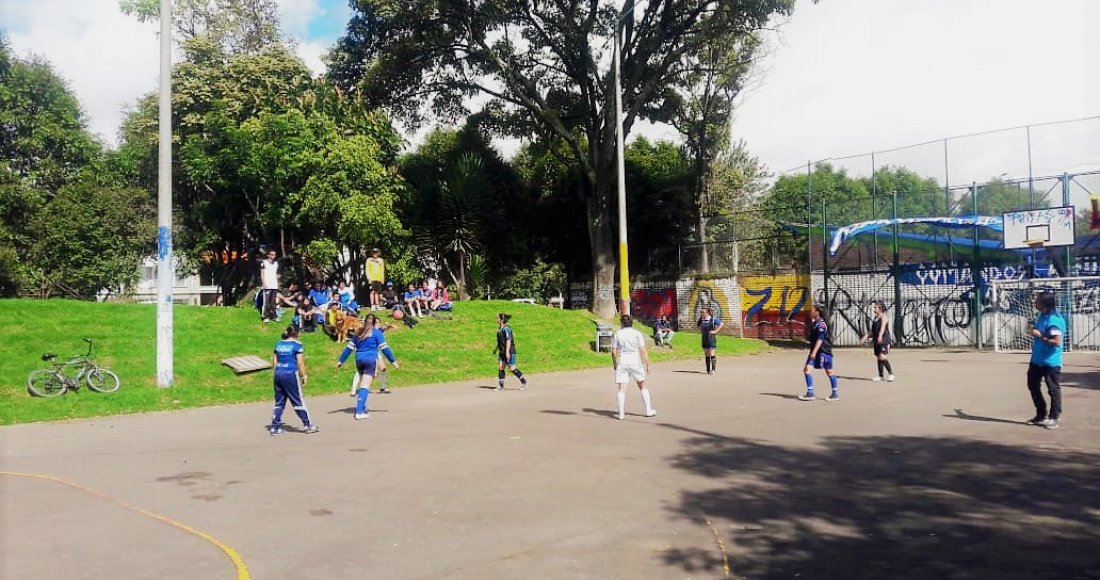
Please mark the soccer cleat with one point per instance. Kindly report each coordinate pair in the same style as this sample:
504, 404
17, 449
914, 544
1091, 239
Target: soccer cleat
1051, 423
651, 413
384, 390
1037, 420
275, 431
523, 383
890, 378
310, 429
877, 379
359, 416
833, 397
500, 387
806, 397
620, 416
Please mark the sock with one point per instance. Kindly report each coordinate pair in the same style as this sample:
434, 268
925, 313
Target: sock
833, 383
519, 375
707, 358
500, 378
889, 370
361, 400
648, 402
620, 397
714, 363
355, 382
880, 369
383, 378
809, 383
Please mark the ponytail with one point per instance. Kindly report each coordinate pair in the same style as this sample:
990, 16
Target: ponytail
290, 332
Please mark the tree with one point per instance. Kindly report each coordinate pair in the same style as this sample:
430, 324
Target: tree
44, 145
266, 155
660, 207
537, 62
235, 26
996, 197
91, 238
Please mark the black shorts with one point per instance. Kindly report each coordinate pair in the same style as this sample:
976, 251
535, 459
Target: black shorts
710, 340
881, 348
376, 286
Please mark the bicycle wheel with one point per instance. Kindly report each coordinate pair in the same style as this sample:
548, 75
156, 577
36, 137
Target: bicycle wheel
102, 380
46, 383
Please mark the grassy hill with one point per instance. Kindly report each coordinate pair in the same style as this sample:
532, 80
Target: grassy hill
125, 340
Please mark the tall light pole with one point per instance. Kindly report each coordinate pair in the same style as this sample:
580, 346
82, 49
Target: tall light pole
624, 269
166, 272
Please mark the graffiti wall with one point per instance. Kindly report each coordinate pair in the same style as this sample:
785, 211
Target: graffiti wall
775, 306
656, 299
720, 294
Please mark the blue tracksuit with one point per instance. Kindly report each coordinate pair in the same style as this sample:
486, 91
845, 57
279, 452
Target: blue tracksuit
287, 383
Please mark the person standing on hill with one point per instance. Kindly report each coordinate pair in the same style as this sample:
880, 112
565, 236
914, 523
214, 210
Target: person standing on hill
506, 352
290, 375
630, 361
1046, 362
269, 286
376, 277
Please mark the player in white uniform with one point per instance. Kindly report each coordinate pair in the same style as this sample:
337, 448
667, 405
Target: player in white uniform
631, 361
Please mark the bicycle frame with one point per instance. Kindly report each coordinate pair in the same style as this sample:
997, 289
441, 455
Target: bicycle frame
83, 361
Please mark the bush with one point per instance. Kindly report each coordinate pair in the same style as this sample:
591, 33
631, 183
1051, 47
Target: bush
540, 281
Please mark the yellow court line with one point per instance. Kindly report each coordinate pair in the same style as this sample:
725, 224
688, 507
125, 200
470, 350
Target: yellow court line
234, 557
721, 546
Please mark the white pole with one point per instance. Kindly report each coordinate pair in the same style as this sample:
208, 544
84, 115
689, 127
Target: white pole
624, 270
165, 269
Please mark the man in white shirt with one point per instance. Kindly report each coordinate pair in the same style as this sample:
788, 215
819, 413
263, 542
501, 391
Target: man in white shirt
631, 361
269, 282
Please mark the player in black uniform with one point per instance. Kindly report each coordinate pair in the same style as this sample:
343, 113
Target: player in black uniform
821, 354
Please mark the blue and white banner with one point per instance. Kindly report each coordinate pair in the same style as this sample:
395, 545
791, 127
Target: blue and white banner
961, 222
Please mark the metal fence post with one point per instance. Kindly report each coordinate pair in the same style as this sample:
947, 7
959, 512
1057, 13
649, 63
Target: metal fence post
976, 272
825, 252
899, 325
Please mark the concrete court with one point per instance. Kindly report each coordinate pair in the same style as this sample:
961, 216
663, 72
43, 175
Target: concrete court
933, 476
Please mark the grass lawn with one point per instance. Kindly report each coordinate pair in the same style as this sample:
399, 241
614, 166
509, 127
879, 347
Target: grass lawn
125, 341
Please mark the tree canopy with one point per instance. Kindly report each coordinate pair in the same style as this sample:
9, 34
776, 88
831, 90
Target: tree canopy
539, 64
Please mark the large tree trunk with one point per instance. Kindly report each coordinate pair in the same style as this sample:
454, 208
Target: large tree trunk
602, 245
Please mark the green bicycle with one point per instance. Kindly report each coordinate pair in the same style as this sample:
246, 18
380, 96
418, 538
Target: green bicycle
66, 376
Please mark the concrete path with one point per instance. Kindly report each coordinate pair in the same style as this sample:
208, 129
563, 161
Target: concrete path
932, 476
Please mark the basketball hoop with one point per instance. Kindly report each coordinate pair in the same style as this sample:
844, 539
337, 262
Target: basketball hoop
1034, 243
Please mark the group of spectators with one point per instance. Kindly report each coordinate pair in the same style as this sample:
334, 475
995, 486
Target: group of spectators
319, 305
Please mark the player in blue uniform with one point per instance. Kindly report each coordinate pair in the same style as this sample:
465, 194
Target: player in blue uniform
709, 326
366, 344
290, 375
506, 352
1046, 361
821, 354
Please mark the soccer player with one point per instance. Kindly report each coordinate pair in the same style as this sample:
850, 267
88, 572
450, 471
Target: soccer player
821, 354
506, 352
376, 276
630, 361
1046, 361
366, 344
269, 282
709, 327
881, 340
290, 375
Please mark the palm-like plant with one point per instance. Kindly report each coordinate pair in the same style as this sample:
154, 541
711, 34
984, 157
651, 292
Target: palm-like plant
452, 229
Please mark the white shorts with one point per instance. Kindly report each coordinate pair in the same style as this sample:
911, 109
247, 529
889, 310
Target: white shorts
626, 371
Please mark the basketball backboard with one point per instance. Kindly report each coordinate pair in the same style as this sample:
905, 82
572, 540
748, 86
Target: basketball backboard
1046, 227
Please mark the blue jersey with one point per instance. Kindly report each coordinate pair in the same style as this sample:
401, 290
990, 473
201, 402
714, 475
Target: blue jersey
819, 330
1043, 353
368, 347
319, 297
415, 294
504, 336
286, 356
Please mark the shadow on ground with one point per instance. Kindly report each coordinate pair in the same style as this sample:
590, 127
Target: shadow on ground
1081, 379
891, 507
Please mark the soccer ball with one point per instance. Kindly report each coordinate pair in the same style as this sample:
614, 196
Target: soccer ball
398, 314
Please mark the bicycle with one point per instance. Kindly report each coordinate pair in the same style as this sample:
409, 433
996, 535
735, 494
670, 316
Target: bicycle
53, 381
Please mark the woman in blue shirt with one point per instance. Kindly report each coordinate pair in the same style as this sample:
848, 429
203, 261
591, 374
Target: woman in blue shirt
290, 375
366, 344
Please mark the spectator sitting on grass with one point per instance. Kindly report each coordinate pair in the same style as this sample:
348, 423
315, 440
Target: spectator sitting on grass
347, 297
662, 332
319, 295
307, 315
389, 296
412, 301
442, 301
427, 296
291, 297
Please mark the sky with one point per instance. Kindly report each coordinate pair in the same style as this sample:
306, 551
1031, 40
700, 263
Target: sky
843, 77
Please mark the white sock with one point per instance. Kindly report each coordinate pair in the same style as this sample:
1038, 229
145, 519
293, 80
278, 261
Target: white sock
647, 401
355, 382
621, 398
